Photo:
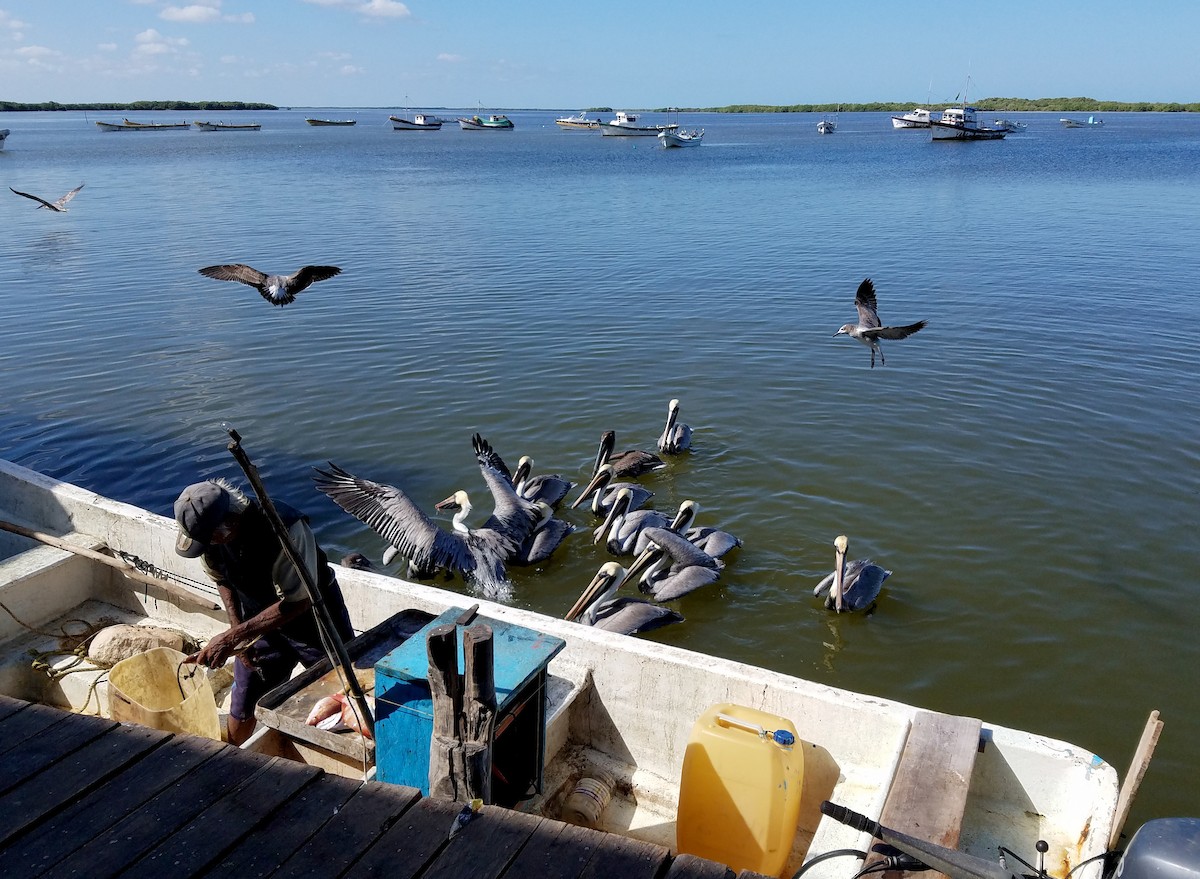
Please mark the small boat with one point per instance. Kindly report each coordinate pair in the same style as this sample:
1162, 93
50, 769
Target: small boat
1090, 122
632, 713
1009, 125
490, 123
916, 118
681, 138
228, 126
962, 123
829, 125
3, 136
625, 125
128, 125
330, 121
419, 122
579, 122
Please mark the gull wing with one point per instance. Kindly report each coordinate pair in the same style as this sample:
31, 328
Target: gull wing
893, 332
36, 198
864, 301
70, 195
310, 275
235, 272
396, 518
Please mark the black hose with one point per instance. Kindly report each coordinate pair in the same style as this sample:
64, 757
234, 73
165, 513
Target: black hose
825, 856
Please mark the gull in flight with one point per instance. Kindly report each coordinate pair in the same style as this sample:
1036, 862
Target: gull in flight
276, 289
59, 207
868, 330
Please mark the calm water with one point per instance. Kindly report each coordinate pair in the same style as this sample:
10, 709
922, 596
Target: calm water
1029, 465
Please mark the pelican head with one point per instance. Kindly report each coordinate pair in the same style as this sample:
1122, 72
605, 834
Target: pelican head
620, 506
644, 565
524, 468
606, 582
839, 570
604, 475
608, 442
545, 514
685, 516
459, 502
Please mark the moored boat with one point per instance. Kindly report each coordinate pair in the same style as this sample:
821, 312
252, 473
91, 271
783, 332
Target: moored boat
1009, 125
1090, 122
625, 125
616, 707
331, 121
579, 122
681, 138
494, 122
962, 123
228, 126
419, 122
915, 118
128, 125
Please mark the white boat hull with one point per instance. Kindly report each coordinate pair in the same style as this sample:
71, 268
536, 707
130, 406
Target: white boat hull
611, 129
417, 123
681, 138
615, 702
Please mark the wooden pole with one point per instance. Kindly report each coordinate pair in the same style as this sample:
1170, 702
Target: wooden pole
120, 564
479, 711
1133, 779
445, 687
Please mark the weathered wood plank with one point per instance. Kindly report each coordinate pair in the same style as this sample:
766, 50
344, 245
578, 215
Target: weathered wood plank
330, 851
70, 733
410, 844
557, 850
43, 847
273, 841
41, 795
929, 792
692, 867
486, 846
206, 838
20, 727
117, 845
627, 858
9, 706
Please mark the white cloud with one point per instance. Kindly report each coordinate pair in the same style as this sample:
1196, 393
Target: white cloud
449, 57
107, 47
369, 8
151, 42
241, 18
351, 70
8, 21
35, 53
193, 14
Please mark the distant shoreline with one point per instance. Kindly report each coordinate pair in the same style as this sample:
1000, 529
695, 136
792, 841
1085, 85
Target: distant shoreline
135, 107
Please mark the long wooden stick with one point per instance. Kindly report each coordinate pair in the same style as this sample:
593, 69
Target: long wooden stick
124, 567
1133, 779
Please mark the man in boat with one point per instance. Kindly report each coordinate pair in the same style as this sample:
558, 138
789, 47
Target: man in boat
271, 624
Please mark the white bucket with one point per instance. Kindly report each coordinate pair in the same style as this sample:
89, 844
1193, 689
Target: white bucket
150, 688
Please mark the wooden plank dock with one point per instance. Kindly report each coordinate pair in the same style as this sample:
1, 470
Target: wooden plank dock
90, 797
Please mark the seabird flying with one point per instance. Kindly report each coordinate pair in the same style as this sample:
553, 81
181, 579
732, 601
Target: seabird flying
676, 437
671, 566
868, 330
853, 586
476, 553
631, 462
276, 289
59, 207
599, 607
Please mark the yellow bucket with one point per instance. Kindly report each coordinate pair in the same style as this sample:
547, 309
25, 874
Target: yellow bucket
739, 794
149, 688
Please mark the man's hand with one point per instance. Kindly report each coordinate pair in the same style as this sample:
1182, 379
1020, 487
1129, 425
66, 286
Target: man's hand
217, 651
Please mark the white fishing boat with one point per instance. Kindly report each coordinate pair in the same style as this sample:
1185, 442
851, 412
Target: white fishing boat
1009, 125
681, 138
129, 125
915, 118
319, 122
962, 123
640, 722
228, 126
1090, 122
419, 122
489, 123
626, 125
578, 122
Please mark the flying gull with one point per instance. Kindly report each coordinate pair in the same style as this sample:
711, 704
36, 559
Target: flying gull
59, 207
868, 329
276, 289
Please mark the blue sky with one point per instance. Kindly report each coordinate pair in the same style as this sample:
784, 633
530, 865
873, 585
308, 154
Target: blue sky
618, 53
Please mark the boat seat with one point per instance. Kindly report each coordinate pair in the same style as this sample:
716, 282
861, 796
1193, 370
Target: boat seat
929, 792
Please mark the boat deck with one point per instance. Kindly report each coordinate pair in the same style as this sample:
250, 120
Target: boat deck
92, 797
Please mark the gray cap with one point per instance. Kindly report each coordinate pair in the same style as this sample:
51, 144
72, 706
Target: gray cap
199, 510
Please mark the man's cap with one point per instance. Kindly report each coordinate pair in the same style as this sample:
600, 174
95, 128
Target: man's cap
199, 511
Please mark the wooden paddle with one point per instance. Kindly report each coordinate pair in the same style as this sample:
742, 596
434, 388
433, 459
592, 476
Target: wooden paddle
1133, 778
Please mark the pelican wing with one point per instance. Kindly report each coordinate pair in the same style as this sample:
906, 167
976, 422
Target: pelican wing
678, 584
539, 545
864, 301
70, 195
396, 518
629, 616
513, 517
713, 541
862, 584
235, 272
893, 332
36, 198
682, 551
549, 488
310, 275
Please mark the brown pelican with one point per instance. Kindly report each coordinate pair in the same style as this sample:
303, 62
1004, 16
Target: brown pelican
676, 437
603, 492
476, 553
622, 528
59, 206
549, 488
276, 289
713, 541
671, 566
599, 607
546, 537
868, 329
631, 462
853, 586
358, 561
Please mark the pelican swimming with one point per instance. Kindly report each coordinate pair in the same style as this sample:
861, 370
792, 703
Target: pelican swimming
599, 607
547, 534
59, 206
671, 566
868, 330
713, 541
631, 462
549, 488
603, 492
478, 554
676, 437
622, 528
358, 561
853, 586
276, 289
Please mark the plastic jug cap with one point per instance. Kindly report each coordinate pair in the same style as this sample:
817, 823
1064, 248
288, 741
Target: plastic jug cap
783, 737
